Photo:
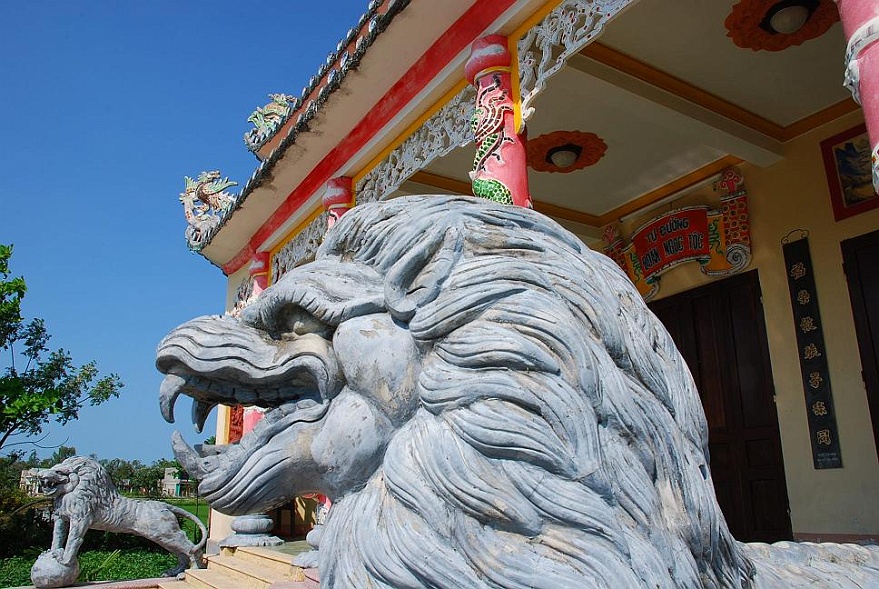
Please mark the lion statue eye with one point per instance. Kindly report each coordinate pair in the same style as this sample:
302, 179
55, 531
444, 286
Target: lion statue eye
296, 321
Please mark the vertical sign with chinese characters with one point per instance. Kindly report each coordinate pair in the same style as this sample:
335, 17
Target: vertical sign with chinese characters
813, 355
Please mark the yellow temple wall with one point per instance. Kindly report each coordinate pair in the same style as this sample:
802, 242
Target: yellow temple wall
793, 194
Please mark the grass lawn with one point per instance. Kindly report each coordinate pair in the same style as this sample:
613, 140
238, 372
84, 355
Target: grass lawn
199, 508
96, 565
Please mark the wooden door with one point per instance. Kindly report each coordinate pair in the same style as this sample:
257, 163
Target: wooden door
720, 331
861, 263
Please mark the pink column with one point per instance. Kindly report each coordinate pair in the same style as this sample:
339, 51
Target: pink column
860, 21
259, 271
338, 198
499, 169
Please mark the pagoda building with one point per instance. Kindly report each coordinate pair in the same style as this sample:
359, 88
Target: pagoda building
721, 152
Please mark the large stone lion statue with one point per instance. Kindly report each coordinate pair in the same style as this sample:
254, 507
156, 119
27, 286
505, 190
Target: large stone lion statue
86, 498
489, 404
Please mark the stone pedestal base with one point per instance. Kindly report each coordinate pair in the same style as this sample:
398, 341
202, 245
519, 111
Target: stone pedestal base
309, 560
251, 530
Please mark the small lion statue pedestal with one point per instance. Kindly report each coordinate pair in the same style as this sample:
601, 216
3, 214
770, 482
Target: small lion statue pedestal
49, 573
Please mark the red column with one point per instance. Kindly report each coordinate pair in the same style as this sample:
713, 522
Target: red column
338, 198
860, 21
499, 169
259, 271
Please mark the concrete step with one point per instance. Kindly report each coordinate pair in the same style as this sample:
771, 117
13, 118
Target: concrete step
267, 557
213, 579
248, 568
257, 575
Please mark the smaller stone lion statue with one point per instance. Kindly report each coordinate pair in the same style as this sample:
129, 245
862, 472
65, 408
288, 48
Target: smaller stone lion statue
86, 498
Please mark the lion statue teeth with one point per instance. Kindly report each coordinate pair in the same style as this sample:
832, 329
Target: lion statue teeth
489, 404
86, 498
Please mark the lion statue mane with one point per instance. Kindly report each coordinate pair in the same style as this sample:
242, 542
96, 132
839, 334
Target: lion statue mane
85, 498
489, 404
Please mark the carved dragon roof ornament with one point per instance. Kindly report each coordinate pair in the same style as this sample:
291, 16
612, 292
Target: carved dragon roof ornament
205, 203
346, 57
269, 118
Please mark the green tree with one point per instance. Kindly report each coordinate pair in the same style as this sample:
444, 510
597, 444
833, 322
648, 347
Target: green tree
20, 525
48, 387
121, 472
145, 480
60, 455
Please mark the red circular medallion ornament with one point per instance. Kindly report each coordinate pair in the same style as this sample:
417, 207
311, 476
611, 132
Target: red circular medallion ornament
775, 25
565, 151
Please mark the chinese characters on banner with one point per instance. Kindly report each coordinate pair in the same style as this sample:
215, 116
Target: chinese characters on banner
812, 354
718, 239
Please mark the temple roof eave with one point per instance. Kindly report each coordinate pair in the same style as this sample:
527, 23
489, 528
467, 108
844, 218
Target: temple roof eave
302, 150
331, 74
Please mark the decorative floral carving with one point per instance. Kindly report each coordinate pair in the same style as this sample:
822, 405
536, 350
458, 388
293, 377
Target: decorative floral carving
546, 47
747, 29
589, 148
440, 134
205, 203
300, 248
236, 423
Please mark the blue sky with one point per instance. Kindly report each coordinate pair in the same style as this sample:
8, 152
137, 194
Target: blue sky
104, 107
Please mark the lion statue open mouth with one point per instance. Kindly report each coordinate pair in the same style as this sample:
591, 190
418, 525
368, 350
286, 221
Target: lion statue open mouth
489, 404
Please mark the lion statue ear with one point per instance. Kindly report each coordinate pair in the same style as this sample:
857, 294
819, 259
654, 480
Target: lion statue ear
417, 277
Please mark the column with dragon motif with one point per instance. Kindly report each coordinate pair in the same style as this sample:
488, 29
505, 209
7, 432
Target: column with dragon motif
860, 22
499, 169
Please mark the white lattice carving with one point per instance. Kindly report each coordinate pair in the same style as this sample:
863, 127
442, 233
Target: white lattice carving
546, 47
299, 249
242, 296
447, 129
